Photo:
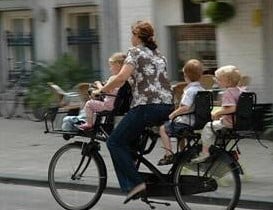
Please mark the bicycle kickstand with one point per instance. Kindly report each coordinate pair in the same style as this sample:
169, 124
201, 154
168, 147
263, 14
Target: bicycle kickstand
149, 202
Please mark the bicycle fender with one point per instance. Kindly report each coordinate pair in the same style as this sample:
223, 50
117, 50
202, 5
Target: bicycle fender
93, 148
103, 167
229, 158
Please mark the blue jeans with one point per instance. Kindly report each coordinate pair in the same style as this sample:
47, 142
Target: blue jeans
126, 133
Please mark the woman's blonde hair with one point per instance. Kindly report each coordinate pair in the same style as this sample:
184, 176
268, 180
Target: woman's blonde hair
117, 57
193, 69
230, 73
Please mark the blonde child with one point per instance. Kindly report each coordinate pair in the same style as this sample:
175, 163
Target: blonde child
193, 71
227, 77
93, 106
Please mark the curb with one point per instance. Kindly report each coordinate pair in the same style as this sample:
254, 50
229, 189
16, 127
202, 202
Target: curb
243, 203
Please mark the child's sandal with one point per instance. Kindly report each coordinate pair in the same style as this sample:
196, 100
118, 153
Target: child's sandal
166, 160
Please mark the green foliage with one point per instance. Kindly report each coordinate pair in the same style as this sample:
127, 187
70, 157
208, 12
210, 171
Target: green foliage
65, 72
219, 12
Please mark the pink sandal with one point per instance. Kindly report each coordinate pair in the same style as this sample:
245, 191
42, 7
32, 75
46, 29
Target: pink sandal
85, 127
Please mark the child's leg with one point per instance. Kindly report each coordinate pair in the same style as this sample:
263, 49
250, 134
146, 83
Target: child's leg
90, 108
207, 139
165, 140
89, 113
208, 136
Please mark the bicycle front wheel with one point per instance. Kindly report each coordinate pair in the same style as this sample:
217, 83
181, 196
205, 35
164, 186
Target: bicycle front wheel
213, 183
76, 181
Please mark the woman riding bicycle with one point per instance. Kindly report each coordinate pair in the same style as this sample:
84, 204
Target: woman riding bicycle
151, 105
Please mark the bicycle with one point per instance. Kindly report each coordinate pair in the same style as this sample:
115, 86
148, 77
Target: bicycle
16, 90
77, 173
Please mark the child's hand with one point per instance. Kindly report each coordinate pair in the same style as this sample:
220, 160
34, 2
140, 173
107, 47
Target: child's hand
171, 116
214, 116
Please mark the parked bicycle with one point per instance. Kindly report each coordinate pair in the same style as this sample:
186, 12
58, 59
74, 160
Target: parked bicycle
77, 173
14, 97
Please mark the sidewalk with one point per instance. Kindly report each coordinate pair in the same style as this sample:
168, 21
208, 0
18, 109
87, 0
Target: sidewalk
26, 152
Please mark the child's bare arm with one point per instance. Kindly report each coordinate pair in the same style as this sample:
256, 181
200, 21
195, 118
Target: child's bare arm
182, 109
224, 110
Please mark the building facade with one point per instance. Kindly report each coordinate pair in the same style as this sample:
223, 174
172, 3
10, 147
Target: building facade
93, 30
44, 30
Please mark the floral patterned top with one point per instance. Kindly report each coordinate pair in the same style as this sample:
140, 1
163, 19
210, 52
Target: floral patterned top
149, 81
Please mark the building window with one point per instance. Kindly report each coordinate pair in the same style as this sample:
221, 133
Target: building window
19, 40
193, 41
83, 40
191, 11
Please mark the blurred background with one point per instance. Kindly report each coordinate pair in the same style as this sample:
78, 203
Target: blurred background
84, 33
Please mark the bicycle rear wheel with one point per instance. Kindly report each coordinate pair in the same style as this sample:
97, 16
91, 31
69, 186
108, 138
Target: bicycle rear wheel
10, 102
76, 189
221, 186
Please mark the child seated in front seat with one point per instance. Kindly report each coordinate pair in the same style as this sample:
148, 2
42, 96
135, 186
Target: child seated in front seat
107, 104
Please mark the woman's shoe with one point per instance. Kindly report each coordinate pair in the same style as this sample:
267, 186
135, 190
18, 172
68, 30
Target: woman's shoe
166, 160
135, 192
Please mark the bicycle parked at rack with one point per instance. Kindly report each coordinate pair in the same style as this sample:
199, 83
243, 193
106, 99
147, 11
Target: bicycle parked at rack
77, 173
14, 96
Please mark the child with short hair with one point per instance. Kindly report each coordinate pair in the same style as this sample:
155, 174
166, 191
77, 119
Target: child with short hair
193, 71
107, 104
227, 77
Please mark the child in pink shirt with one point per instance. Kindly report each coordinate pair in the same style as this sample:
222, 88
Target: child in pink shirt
227, 77
107, 104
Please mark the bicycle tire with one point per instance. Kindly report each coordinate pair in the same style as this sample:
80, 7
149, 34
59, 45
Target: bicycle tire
10, 102
225, 196
77, 193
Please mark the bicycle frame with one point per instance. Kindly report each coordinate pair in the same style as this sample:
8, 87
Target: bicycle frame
202, 178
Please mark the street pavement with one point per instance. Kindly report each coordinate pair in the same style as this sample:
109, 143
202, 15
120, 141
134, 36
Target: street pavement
26, 152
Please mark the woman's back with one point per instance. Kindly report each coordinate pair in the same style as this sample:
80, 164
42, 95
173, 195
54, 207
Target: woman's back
150, 84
